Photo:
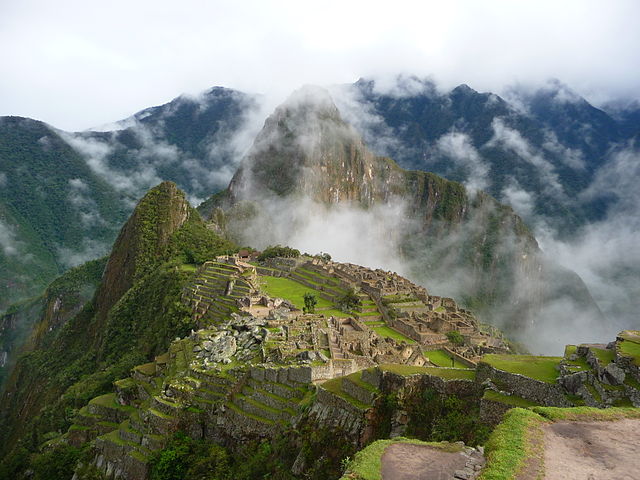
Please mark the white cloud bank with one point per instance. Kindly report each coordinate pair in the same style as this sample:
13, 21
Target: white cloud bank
67, 66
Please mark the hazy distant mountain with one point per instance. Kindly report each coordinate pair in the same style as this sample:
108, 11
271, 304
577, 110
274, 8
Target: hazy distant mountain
55, 211
544, 146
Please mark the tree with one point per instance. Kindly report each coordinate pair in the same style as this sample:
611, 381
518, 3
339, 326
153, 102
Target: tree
274, 251
455, 337
310, 302
349, 301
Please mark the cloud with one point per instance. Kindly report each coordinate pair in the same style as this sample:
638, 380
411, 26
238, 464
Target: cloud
457, 146
89, 249
94, 77
511, 140
8, 240
80, 198
606, 253
571, 157
359, 113
521, 201
3, 179
96, 154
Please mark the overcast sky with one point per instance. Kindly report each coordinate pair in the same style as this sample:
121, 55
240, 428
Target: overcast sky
82, 63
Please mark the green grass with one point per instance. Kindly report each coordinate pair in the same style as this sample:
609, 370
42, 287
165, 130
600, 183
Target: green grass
398, 299
335, 386
604, 356
446, 373
594, 393
280, 287
373, 323
357, 379
441, 358
109, 401
538, 368
238, 410
583, 414
387, 332
630, 349
366, 464
517, 438
188, 267
508, 399
632, 382
146, 369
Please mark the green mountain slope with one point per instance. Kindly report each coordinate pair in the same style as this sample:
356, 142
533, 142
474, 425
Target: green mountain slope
54, 211
134, 314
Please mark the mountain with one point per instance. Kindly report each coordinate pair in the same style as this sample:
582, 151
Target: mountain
546, 144
63, 195
307, 168
191, 141
76, 347
55, 212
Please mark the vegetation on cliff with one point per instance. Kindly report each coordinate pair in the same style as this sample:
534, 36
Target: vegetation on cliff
134, 315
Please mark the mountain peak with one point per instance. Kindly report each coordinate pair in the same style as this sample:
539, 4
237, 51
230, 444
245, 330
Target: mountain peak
305, 135
145, 236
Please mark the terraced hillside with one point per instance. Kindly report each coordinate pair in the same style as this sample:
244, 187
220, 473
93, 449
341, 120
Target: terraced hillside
259, 369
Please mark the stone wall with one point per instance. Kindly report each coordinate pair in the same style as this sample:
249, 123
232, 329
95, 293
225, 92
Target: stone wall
543, 393
333, 411
491, 412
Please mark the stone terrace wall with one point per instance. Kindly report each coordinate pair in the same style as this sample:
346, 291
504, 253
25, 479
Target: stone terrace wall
543, 393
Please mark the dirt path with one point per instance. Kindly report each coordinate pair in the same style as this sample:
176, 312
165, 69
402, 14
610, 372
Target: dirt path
404, 461
592, 450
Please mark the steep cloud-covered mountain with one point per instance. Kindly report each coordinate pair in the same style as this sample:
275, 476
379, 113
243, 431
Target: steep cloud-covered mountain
536, 150
309, 180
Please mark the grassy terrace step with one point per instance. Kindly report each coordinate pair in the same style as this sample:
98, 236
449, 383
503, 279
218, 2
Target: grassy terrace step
148, 369
604, 356
335, 386
256, 407
209, 394
539, 368
128, 433
159, 414
219, 387
270, 399
109, 401
579, 364
165, 406
357, 379
142, 454
440, 358
445, 373
240, 411
387, 332
630, 347
512, 400
279, 389
85, 417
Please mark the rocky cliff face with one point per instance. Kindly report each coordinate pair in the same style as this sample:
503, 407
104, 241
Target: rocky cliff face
465, 244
